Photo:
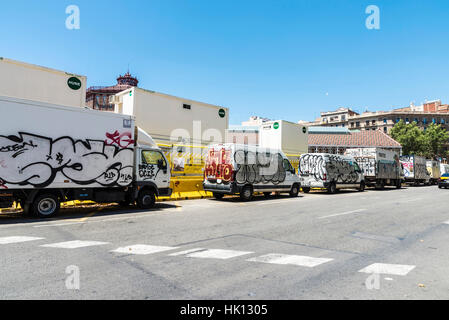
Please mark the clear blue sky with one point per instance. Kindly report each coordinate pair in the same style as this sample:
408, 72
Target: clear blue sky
278, 59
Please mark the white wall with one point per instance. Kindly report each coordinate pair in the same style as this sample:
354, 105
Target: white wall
289, 137
26, 81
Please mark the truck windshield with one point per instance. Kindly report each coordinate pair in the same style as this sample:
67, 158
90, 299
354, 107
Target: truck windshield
152, 157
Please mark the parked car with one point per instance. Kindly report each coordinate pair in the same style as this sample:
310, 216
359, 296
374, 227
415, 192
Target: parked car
444, 181
330, 171
245, 169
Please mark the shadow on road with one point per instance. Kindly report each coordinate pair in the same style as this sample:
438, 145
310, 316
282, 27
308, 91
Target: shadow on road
80, 212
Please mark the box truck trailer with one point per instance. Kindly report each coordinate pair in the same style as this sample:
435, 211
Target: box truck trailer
381, 167
433, 168
246, 169
291, 138
27, 81
330, 171
415, 169
51, 154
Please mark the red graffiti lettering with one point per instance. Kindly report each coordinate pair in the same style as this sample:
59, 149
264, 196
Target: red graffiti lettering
123, 140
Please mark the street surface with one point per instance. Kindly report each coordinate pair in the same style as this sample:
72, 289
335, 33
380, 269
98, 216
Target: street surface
390, 244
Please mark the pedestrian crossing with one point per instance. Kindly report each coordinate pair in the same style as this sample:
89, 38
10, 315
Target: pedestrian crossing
279, 259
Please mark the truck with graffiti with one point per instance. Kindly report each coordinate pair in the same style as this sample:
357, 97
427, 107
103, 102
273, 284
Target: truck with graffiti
415, 170
247, 169
51, 154
381, 167
434, 170
330, 171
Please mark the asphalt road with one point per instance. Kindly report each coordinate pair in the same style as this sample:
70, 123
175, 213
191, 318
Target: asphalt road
390, 244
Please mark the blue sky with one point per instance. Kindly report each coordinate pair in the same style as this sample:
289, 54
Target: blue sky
278, 59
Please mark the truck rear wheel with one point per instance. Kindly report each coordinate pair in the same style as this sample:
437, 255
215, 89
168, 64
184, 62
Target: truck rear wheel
362, 186
305, 189
332, 188
146, 199
398, 184
46, 206
294, 191
247, 193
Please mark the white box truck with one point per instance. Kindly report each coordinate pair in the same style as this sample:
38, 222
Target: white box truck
51, 154
330, 171
245, 169
27, 81
415, 169
291, 138
381, 167
171, 119
433, 168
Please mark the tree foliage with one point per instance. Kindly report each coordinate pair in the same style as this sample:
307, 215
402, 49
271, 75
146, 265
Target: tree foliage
414, 140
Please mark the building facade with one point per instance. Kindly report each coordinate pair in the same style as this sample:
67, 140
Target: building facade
98, 97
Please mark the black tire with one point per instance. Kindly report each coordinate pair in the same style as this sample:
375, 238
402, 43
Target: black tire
45, 206
247, 193
305, 189
398, 184
362, 186
332, 189
27, 210
146, 199
294, 191
440, 187
218, 196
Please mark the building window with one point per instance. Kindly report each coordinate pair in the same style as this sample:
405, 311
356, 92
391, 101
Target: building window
407, 120
367, 122
416, 120
352, 124
385, 120
187, 106
398, 119
385, 129
357, 124
433, 120
424, 120
443, 121
373, 122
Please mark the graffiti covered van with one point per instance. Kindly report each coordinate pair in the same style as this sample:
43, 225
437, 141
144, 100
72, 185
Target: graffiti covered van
380, 166
51, 154
330, 171
245, 169
415, 169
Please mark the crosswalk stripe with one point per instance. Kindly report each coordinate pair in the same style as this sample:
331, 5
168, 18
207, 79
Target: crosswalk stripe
303, 261
182, 253
74, 244
218, 254
16, 239
142, 249
393, 269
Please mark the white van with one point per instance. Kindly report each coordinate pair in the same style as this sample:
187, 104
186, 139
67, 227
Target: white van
330, 171
245, 169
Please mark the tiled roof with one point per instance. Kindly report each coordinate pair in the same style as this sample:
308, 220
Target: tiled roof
366, 138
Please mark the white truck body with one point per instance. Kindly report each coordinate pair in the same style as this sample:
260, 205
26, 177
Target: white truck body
415, 169
444, 168
380, 166
291, 138
329, 171
231, 167
166, 117
65, 149
433, 168
26, 81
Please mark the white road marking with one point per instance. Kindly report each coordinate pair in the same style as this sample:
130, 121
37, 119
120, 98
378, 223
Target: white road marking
392, 269
303, 261
74, 244
218, 254
8, 240
446, 222
142, 249
344, 213
186, 252
58, 224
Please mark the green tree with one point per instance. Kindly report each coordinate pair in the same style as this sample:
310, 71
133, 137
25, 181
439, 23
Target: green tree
436, 139
410, 136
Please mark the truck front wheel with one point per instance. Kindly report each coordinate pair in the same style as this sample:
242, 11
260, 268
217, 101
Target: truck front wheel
46, 206
146, 199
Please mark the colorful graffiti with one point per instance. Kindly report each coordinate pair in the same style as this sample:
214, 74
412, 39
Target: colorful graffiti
33, 160
329, 167
218, 165
259, 167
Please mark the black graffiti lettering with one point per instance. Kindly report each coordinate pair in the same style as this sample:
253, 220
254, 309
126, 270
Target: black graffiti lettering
147, 171
37, 160
259, 167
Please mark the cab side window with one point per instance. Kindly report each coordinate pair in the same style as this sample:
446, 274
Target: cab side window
287, 165
357, 168
152, 157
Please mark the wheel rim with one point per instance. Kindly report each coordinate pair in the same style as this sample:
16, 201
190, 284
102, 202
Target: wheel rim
295, 190
247, 193
147, 200
47, 206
